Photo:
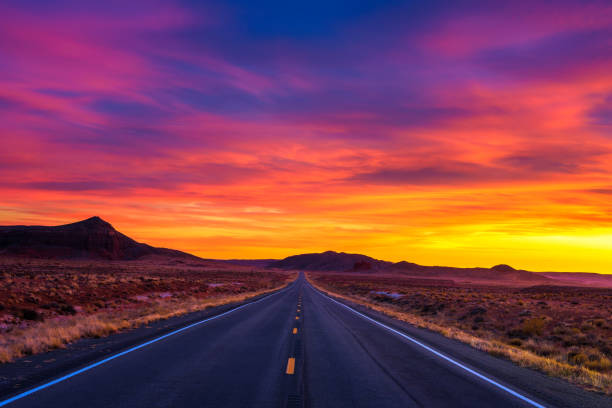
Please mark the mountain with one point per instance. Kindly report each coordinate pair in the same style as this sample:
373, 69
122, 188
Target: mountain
92, 238
331, 261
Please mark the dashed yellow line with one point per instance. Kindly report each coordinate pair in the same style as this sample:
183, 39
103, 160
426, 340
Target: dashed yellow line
290, 366
297, 317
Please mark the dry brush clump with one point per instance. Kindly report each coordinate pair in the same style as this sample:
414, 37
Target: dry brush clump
562, 331
47, 304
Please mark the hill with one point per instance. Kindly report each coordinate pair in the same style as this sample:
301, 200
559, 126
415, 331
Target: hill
500, 273
92, 238
331, 261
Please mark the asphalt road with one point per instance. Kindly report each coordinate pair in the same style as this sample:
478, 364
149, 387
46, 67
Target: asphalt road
300, 348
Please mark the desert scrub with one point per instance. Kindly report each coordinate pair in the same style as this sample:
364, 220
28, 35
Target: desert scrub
51, 303
533, 326
56, 333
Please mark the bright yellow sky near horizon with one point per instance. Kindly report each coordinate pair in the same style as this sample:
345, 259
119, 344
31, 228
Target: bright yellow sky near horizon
522, 227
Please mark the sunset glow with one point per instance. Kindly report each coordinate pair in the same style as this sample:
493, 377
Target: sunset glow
415, 131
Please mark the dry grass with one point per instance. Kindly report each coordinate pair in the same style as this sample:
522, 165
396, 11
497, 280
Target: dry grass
591, 370
48, 304
57, 333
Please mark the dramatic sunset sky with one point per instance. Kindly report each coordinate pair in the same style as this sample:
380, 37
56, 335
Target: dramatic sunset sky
464, 133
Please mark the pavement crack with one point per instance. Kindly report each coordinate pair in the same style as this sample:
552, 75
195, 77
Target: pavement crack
375, 360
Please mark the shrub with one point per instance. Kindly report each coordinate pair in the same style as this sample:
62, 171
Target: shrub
599, 322
477, 311
383, 298
29, 314
533, 326
576, 357
67, 310
515, 342
517, 334
546, 349
599, 364
429, 309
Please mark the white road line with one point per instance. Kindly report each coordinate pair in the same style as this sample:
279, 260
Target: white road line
437, 353
155, 340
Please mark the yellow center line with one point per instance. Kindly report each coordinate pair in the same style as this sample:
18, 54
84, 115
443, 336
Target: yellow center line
295, 330
290, 366
297, 317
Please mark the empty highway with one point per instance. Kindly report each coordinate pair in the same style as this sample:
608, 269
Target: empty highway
295, 348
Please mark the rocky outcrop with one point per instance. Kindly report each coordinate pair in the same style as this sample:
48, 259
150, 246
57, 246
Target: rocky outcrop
92, 238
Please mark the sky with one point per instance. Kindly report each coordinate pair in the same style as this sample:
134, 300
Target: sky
462, 133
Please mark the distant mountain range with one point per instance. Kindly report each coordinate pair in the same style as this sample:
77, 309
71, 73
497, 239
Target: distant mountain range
95, 238
92, 238
343, 262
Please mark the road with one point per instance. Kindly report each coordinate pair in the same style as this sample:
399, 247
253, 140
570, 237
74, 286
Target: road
293, 348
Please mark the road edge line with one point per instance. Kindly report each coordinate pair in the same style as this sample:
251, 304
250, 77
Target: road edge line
134, 348
437, 353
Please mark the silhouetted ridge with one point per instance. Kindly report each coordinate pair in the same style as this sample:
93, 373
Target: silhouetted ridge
92, 238
503, 268
331, 261
93, 222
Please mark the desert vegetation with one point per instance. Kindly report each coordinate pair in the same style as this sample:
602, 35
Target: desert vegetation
46, 304
562, 331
